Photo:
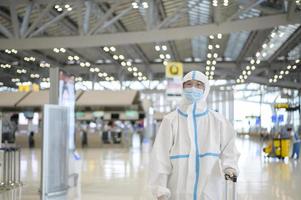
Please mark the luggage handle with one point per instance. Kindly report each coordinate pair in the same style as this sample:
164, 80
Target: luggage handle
232, 178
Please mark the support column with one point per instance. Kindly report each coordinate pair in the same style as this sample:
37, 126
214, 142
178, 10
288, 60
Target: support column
54, 85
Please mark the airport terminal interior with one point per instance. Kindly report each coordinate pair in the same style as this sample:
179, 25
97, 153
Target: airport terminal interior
85, 85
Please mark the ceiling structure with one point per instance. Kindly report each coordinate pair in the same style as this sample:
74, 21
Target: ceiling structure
239, 40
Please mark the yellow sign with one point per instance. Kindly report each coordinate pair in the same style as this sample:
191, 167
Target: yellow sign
281, 105
35, 87
24, 88
174, 69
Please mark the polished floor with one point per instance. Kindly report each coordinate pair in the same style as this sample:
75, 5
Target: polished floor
120, 174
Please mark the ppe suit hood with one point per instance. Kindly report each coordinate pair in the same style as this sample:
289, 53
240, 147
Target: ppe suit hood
185, 104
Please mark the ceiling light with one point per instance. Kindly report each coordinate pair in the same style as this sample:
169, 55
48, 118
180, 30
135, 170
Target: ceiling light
275, 80
104, 74
165, 62
113, 49
139, 73
241, 77
212, 73
157, 48
207, 68
210, 46
238, 81
106, 49
219, 36
60, 9
276, 76
271, 45
129, 63
76, 58
217, 46
135, 5
100, 75
145, 5
297, 61
289, 67
273, 34
212, 68
135, 69
253, 67
121, 57
252, 61
162, 56
209, 55
96, 69
69, 9
92, 70
248, 67
213, 62
67, 6
123, 63
135, 74
130, 69
208, 62
211, 37
258, 62
286, 72
115, 57
245, 76
294, 66
280, 77
264, 54
264, 45
207, 73
249, 73
88, 64
257, 54
82, 64
70, 58
167, 56
244, 72
107, 79
242, 81
62, 50
215, 55
281, 72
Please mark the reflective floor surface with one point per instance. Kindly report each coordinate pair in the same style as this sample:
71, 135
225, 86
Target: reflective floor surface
120, 174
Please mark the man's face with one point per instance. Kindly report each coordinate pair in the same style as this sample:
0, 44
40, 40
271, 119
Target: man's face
194, 83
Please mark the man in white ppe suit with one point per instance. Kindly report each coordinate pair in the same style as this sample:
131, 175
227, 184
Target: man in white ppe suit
193, 149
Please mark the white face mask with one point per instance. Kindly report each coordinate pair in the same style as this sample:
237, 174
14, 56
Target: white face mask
193, 94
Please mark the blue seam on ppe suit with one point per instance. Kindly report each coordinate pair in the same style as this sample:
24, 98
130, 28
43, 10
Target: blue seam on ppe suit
193, 75
197, 161
200, 155
197, 114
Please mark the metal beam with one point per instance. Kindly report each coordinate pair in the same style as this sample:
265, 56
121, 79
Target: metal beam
39, 18
79, 6
14, 19
25, 21
104, 18
46, 25
88, 5
288, 45
5, 31
113, 20
248, 7
148, 36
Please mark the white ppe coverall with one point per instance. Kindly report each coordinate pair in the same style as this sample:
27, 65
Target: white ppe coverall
193, 147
